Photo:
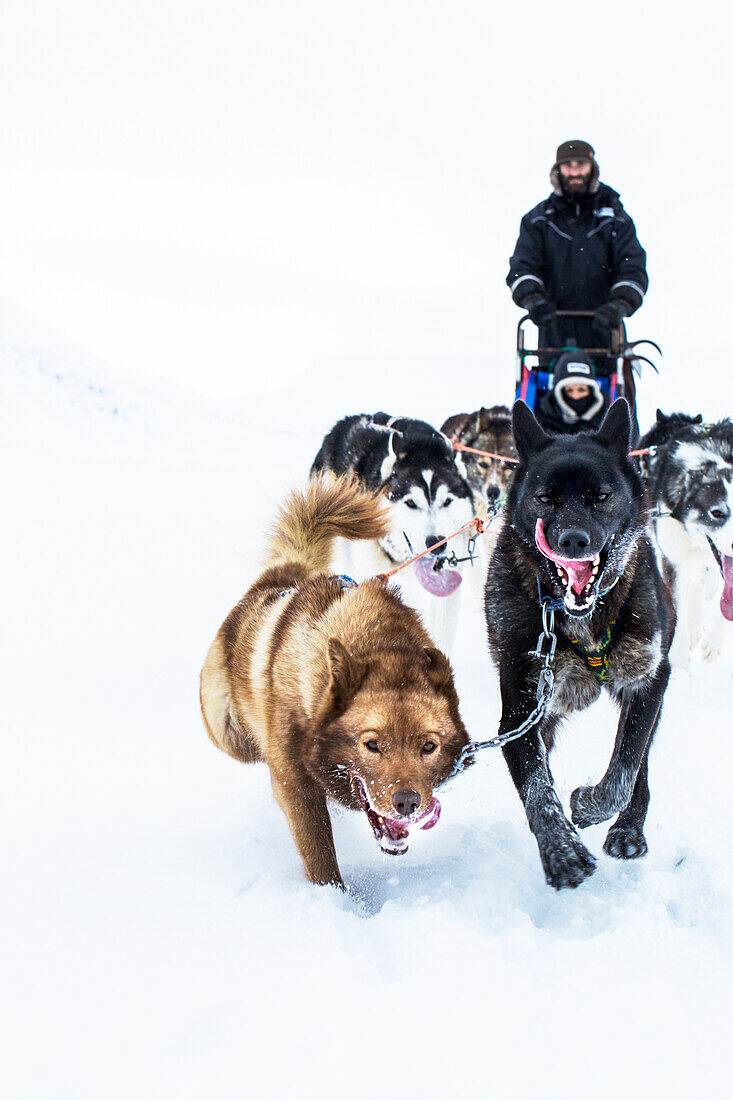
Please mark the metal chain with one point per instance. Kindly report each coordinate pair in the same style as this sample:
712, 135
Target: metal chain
544, 693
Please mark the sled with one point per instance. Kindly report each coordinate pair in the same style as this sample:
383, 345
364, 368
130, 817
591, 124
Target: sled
614, 366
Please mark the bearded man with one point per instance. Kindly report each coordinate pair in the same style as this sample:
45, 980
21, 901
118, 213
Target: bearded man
578, 250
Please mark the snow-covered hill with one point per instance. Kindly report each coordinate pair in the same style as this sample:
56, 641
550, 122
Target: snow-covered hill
158, 936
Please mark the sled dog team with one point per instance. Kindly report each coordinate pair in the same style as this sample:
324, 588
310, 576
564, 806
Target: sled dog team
598, 572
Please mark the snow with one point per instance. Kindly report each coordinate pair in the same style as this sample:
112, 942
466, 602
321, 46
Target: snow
158, 934
309, 209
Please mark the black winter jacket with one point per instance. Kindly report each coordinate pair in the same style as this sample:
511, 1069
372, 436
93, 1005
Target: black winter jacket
578, 252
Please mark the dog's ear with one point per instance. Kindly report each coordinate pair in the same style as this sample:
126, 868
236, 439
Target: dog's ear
347, 674
528, 435
482, 420
454, 425
661, 417
440, 673
460, 466
390, 461
615, 430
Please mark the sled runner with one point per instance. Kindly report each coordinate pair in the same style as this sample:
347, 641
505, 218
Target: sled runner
614, 366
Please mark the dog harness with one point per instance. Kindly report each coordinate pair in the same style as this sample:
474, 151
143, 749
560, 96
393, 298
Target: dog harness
545, 651
596, 657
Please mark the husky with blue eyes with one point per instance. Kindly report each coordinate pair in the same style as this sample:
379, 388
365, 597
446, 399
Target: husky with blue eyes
416, 468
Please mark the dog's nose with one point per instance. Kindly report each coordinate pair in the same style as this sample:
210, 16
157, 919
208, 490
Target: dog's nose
431, 543
574, 543
406, 802
493, 492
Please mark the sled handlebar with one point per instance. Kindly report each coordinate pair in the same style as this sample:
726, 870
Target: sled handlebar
616, 348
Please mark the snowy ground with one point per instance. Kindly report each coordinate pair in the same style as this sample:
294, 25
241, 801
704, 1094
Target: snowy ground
158, 936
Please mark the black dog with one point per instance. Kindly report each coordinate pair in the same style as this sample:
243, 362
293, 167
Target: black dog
576, 534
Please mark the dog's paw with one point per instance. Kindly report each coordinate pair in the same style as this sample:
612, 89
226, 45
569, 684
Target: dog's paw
625, 842
566, 861
587, 808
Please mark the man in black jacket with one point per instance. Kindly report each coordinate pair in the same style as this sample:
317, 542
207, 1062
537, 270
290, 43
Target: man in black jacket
578, 250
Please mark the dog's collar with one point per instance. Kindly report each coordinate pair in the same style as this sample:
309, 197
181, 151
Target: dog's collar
558, 603
344, 580
551, 604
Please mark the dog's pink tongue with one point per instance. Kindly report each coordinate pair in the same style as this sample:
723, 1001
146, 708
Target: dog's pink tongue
726, 600
399, 830
438, 582
579, 570
430, 818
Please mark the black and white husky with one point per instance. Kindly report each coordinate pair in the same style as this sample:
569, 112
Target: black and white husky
691, 481
422, 477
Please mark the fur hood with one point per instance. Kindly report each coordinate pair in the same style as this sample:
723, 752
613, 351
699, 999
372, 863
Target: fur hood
572, 368
594, 184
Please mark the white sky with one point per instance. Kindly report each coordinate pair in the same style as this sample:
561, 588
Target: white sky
228, 194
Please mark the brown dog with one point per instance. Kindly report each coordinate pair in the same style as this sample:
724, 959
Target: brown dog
487, 430
336, 687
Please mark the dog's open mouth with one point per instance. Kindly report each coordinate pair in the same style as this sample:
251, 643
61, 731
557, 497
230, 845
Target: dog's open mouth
725, 564
579, 576
391, 832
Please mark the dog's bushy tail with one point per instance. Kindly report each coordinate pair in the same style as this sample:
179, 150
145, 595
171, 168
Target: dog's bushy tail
311, 518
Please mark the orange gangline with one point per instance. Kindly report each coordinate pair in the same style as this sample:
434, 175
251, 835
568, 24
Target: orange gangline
507, 458
478, 526
489, 454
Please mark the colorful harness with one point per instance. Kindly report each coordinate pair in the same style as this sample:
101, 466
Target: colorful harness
596, 657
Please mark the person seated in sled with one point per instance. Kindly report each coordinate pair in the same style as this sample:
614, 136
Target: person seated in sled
578, 249
576, 402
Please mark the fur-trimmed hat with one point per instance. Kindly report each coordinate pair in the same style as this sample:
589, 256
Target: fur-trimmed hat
573, 368
575, 150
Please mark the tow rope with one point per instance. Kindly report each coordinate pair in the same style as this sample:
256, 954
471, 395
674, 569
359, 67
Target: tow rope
509, 458
480, 525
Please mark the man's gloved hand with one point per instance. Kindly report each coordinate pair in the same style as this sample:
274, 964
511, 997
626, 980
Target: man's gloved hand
611, 315
539, 309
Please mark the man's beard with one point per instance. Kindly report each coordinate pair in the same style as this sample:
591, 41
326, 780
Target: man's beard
575, 187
